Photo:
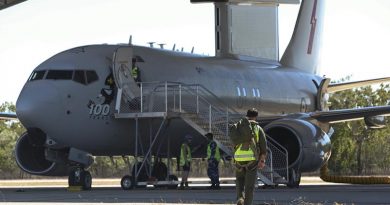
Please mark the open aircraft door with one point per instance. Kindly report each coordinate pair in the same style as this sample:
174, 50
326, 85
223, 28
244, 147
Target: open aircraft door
122, 65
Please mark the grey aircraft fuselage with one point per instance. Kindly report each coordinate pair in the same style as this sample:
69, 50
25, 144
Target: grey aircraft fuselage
60, 108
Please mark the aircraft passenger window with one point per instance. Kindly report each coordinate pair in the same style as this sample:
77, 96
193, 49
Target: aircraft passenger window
238, 91
37, 75
258, 92
91, 76
59, 74
253, 92
243, 92
79, 77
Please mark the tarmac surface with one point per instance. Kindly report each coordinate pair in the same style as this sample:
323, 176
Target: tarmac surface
310, 192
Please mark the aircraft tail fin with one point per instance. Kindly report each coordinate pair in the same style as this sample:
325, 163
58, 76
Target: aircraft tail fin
304, 48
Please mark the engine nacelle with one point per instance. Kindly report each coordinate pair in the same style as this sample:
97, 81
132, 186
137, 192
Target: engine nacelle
30, 154
307, 145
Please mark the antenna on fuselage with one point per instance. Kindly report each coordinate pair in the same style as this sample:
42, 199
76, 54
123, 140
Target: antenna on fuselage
151, 44
174, 47
161, 45
192, 50
131, 40
182, 49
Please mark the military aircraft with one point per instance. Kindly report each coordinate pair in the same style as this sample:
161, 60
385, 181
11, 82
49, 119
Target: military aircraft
84, 102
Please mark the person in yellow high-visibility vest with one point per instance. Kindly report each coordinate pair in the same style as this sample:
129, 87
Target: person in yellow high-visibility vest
135, 72
213, 158
185, 161
249, 157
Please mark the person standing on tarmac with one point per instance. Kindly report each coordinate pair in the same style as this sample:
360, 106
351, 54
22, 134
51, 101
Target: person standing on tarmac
185, 161
248, 157
213, 158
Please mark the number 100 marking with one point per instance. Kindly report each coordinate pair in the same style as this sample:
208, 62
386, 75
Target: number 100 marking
99, 109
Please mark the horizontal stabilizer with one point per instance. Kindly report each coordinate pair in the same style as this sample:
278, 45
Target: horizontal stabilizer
346, 86
350, 114
8, 116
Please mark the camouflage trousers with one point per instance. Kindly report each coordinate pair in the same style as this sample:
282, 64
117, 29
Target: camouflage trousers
212, 171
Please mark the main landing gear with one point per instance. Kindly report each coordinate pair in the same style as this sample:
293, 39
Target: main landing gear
294, 178
80, 177
159, 177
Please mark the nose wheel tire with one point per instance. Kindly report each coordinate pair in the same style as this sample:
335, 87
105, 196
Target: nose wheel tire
127, 182
79, 177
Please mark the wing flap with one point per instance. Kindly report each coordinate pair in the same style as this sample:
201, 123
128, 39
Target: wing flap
343, 115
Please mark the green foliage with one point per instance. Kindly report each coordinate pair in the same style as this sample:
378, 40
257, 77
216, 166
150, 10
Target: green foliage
355, 148
9, 132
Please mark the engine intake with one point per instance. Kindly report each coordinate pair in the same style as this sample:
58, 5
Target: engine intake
307, 145
30, 156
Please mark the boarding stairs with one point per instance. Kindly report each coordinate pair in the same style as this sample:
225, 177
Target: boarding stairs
193, 103
203, 111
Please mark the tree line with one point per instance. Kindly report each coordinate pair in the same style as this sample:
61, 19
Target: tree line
356, 149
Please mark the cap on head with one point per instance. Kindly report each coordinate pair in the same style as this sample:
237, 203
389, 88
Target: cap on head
209, 135
252, 112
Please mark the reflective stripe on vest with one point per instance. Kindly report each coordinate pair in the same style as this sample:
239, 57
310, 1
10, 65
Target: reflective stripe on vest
134, 72
244, 155
217, 155
185, 154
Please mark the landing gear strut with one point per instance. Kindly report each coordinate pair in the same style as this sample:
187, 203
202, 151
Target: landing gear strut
294, 178
80, 177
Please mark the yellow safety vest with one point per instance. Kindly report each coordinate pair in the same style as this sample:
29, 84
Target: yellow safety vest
134, 72
185, 154
248, 153
217, 155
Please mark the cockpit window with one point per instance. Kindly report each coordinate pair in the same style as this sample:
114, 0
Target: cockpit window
84, 77
79, 76
59, 74
91, 76
37, 75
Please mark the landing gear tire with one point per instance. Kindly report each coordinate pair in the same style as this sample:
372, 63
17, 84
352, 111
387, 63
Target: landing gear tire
86, 180
79, 177
143, 175
160, 171
173, 178
127, 182
294, 179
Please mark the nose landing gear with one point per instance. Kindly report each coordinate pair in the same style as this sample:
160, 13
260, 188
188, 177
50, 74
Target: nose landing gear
80, 177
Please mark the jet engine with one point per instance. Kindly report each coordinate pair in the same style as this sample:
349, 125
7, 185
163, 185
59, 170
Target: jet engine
307, 145
30, 154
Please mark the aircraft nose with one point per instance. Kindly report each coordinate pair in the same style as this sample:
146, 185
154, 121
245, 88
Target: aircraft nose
36, 102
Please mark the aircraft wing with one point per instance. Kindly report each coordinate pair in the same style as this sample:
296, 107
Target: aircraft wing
342, 115
346, 86
8, 116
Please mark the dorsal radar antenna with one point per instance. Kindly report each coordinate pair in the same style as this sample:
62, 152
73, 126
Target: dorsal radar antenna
151, 44
161, 45
257, 20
